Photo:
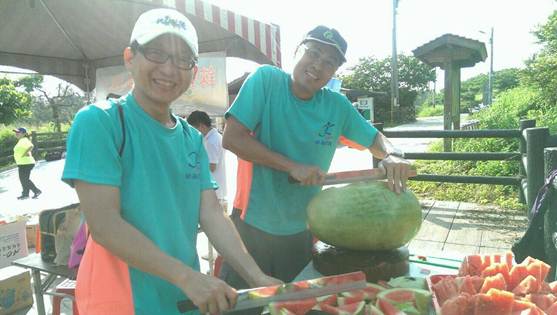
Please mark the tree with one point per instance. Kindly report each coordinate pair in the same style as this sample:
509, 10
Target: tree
63, 105
373, 74
474, 90
14, 103
541, 69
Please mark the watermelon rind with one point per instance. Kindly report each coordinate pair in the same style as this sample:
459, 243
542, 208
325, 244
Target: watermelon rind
408, 282
419, 304
364, 216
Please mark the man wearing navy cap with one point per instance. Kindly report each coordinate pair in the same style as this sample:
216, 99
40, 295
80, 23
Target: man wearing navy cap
284, 125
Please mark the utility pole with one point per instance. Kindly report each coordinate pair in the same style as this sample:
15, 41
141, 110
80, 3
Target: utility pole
490, 77
394, 66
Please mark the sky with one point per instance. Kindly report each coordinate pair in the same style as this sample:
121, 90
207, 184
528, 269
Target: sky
367, 25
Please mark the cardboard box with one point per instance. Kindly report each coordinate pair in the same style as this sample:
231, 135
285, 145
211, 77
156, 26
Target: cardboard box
15, 289
13, 242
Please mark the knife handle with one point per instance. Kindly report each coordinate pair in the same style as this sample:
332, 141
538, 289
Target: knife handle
185, 306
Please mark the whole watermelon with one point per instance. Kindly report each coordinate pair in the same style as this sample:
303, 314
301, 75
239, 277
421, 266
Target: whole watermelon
364, 216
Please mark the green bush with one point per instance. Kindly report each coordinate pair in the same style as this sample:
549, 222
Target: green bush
505, 113
427, 110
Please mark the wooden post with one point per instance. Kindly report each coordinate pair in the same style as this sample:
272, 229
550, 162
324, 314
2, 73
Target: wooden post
378, 126
535, 143
524, 124
550, 220
35, 143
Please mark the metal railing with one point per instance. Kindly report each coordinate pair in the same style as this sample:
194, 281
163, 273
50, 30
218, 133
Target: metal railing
532, 142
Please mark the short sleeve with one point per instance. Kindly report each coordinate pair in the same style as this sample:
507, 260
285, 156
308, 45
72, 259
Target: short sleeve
355, 127
251, 99
92, 154
214, 150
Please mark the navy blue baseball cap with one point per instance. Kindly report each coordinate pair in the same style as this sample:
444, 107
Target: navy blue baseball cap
328, 36
20, 130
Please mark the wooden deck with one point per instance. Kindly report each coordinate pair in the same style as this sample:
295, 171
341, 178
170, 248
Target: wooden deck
457, 229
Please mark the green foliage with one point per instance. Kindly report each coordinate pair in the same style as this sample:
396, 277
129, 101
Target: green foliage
505, 113
14, 103
541, 70
374, 74
427, 110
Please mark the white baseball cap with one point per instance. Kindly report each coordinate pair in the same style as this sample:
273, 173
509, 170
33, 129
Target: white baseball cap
156, 22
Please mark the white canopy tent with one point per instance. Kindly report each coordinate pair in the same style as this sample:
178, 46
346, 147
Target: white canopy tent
71, 39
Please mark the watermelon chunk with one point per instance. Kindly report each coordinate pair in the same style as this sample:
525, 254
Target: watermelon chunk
458, 305
372, 310
494, 302
526, 286
494, 282
298, 307
516, 275
445, 289
543, 301
410, 301
471, 265
348, 309
388, 308
469, 284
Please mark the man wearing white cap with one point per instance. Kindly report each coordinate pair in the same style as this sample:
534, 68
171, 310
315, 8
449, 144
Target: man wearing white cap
143, 180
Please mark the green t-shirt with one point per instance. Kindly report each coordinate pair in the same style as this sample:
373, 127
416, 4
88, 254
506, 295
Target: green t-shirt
306, 131
161, 175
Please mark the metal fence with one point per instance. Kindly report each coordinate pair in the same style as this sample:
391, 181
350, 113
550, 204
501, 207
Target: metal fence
530, 156
44, 142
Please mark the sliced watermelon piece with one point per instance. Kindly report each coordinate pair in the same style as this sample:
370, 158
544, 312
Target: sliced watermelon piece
298, 307
516, 275
543, 301
521, 305
458, 305
538, 269
552, 310
348, 309
494, 282
370, 309
553, 286
388, 308
445, 289
526, 286
509, 259
471, 265
468, 284
486, 262
496, 268
495, 302
410, 301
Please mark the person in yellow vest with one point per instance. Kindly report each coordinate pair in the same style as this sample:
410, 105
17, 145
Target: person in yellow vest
25, 163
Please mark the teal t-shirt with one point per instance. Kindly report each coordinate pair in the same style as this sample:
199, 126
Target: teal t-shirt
306, 131
161, 175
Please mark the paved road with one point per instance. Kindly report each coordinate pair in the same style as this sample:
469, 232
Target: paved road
56, 193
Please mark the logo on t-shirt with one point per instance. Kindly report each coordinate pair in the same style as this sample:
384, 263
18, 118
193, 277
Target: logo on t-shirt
325, 135
193, 166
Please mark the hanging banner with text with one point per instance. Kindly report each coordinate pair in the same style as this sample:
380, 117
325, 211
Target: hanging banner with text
208, 92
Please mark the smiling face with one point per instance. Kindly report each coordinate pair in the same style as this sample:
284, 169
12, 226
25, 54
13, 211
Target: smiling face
316, 63
159, 84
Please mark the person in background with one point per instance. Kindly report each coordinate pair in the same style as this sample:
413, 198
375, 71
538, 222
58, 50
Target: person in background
143, 205
285, 127
201, 121
23, 155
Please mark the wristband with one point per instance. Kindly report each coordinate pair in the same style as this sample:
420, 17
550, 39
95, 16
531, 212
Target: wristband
395, 153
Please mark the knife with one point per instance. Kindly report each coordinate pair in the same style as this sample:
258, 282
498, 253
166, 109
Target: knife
258, 297
354, 176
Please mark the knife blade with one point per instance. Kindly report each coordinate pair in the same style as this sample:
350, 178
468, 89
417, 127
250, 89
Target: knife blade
330, 286
354, 176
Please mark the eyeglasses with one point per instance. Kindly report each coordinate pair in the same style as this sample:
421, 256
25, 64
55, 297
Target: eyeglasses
329, 63
161, 57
